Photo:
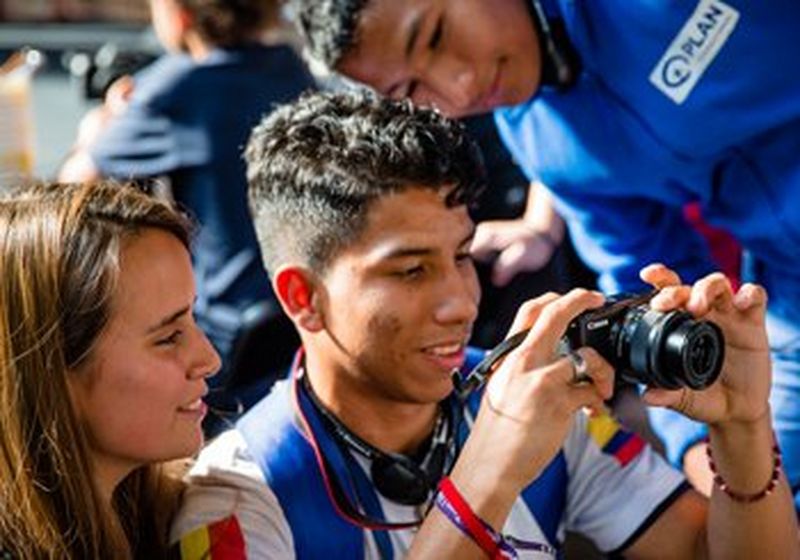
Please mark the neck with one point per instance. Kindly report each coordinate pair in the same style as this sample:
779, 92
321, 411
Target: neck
389, 425
196, 46
108, 474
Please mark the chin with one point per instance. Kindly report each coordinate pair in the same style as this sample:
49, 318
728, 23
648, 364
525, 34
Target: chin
438, 391
187, 447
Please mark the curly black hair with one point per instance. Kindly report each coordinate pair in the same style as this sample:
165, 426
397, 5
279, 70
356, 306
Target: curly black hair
315, 165
328, 27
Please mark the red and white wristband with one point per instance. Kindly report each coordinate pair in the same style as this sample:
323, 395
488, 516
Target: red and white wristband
496, 546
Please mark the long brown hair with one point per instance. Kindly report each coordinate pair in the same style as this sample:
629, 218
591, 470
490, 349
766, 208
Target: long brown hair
59, 264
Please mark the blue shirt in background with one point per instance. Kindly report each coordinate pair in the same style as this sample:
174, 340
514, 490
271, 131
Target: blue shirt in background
190, 121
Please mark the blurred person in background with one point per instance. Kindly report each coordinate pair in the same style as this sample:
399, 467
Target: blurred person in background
102, 371
187, 117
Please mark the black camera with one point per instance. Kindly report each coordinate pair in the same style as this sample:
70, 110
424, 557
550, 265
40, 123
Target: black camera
668, 349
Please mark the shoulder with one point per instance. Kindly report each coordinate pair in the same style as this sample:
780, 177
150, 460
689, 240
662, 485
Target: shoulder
228, 498
163, 77
272, 69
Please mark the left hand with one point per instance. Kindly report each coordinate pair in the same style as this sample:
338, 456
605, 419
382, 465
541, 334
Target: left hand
742, 391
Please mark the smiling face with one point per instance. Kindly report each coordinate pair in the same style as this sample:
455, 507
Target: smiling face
139, 393
399, 303
463, 56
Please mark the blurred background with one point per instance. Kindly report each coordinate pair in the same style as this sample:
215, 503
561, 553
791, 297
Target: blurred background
81, 42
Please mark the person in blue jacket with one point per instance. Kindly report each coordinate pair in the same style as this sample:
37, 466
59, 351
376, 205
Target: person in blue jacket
361, 208
626, 111
187, 117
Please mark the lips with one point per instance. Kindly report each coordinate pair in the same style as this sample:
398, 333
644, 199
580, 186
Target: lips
448, 355
194, 407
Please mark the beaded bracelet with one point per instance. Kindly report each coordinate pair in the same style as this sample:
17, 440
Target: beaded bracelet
453, 505
748, 498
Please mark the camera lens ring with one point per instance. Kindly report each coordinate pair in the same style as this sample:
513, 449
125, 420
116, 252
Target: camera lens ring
671, 350
645, 346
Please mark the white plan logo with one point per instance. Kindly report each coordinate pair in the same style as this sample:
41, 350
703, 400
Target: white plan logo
694, 49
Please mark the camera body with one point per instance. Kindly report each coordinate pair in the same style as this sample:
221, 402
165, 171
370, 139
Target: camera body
668, 350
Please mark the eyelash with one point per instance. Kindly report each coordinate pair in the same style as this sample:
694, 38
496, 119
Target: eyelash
412, 272
171, 339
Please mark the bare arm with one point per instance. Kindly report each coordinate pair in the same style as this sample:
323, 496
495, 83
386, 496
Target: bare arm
531, 401
740, 435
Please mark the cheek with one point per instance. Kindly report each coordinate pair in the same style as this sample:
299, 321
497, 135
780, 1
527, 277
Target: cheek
385, 334
385, 326
132, 415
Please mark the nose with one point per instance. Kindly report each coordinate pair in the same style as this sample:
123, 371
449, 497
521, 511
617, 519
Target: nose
206, 362
454, 82
460, 297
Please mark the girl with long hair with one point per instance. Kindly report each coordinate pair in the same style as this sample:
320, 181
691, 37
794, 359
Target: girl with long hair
102, 370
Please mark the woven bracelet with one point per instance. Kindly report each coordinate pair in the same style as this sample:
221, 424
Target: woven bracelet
739, 496
453, 505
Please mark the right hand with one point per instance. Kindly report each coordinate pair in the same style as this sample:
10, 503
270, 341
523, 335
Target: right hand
97, 120
531, 400
515, 246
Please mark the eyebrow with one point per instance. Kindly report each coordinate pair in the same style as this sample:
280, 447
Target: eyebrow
405, 252
169, 319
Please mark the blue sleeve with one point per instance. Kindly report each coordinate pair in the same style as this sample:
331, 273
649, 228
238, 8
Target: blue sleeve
156, 134
617, 236
621, 214
143, 142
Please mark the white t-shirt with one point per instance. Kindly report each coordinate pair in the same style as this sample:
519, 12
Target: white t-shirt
615, 484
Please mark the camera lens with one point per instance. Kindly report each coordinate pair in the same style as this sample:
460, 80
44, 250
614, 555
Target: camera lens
672, 350
695, 348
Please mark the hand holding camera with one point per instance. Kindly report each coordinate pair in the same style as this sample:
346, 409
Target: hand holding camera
742, 393
531, 399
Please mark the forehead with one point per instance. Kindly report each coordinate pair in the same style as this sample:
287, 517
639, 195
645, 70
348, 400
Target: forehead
413, 221
382, 37
155, 278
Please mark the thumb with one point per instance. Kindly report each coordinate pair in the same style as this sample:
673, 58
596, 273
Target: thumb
663, 397
507, 265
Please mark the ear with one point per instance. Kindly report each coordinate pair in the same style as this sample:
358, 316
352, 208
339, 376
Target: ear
298, 293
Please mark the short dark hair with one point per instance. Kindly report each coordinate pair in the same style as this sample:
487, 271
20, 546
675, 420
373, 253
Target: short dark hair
227, 23
328, 27
314, 167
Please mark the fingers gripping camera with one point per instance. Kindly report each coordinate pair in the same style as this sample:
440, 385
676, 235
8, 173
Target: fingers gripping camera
668, 350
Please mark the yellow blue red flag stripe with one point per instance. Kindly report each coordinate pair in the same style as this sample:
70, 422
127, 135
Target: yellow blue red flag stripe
221, 540
614, 440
